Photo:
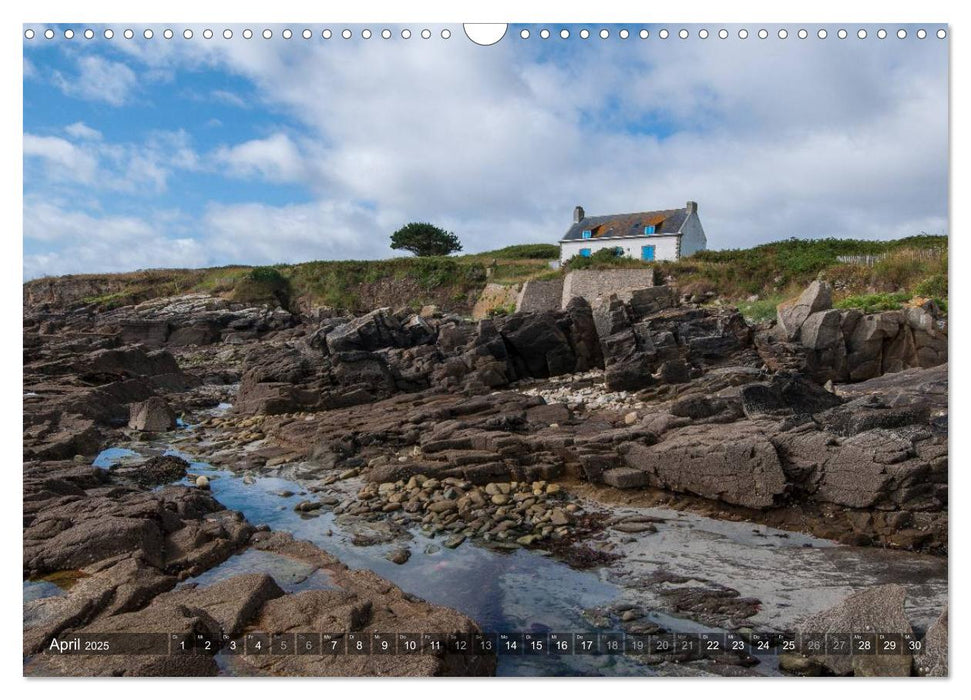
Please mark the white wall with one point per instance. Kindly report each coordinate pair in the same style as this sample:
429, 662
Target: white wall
693, 238
665, 247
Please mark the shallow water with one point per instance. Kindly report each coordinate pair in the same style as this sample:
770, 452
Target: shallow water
503, 591
525, 591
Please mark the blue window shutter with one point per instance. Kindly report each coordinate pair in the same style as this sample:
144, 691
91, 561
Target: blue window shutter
587, 234
648, 230
585, 252
647, 252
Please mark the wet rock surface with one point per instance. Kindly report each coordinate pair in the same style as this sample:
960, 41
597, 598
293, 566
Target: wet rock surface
519, 432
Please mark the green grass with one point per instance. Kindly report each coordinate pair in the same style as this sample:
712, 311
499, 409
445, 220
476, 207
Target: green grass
761, 309
774, 272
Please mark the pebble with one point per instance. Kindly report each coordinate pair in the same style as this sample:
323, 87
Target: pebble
202, 482
398, 556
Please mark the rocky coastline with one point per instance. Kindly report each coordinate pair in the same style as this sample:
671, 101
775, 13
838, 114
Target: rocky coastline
577, 434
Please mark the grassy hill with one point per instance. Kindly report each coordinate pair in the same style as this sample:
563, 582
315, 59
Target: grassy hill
872, 274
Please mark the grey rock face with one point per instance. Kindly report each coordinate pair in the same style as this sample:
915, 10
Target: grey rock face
877, 609
153, 415
932, 659
818, 296
719, 462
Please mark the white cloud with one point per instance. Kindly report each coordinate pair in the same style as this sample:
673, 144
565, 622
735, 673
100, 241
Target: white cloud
100, 165
63, 160
275, 158
74, 241
80, 130
773, 139
99, 80
262, 234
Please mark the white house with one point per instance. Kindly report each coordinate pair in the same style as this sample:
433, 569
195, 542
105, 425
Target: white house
649, 235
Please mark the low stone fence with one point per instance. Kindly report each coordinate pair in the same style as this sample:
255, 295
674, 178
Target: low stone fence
595, 286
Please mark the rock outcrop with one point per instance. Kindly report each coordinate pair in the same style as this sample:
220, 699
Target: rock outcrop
848, 346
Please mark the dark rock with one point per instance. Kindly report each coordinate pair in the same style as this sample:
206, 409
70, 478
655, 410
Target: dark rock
153, 415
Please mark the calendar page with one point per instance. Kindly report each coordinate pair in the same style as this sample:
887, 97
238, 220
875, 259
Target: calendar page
417, 349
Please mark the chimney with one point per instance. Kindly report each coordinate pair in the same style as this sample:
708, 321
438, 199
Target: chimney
578, 214
692, 207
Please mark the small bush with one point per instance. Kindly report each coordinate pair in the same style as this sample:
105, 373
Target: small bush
933, 286
871, 303
528, 251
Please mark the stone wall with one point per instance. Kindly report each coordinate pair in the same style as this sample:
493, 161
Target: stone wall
600, 284
592, 285
541, 295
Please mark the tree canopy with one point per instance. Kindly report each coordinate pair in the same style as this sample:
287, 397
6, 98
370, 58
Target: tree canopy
425, 239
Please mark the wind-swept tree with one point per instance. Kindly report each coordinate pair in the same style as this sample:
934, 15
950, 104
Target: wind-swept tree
425, 239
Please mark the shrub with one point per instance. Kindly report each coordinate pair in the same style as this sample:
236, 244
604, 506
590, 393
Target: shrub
871, 303
424, 239
933, 286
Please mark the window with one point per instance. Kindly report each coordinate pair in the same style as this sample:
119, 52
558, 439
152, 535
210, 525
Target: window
587, 234
585, 252
648, 230
647, 252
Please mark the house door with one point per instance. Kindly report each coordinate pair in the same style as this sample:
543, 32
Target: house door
647, 252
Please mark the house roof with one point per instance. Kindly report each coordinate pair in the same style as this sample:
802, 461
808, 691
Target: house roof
666, 221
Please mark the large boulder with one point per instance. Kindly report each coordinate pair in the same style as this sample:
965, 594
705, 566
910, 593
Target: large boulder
153, 415
721, 462
792, 314
876, 609
372, 331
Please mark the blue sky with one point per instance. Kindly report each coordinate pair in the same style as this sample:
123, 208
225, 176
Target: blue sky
171, 152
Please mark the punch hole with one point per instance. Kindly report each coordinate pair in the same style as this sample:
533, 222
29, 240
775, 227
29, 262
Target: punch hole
783, 34
763, 34
89, 33
426, 34
148, 34
187, 34
584, 33
702, 33
68, 33
29, 34
207, 34
941, 34
168, 33
485, 34
129, 34
644, 34
624, 34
